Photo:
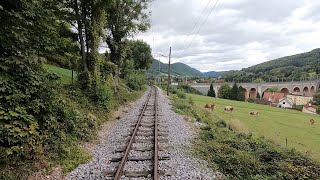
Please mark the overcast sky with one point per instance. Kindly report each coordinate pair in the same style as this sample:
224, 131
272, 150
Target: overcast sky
237, 34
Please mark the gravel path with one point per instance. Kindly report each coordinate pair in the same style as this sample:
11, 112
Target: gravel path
180, 135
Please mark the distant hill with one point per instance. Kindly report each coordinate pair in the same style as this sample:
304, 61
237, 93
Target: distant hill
294, 67
179, 69
311, 58
212, 74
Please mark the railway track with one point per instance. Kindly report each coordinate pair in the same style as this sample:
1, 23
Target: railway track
139, 157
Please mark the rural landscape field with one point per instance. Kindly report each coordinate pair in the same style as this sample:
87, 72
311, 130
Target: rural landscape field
272, 123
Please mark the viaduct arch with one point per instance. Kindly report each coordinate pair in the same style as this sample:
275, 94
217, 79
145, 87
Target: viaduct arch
252, 89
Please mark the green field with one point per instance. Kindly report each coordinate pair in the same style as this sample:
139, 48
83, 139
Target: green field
274, 124
66, 75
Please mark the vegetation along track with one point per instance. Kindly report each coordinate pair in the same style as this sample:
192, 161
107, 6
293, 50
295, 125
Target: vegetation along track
140, 156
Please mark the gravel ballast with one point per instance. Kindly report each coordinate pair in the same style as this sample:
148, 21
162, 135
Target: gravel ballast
182, 165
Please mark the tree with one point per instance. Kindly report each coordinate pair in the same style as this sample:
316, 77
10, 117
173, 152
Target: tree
316, 98
258, 96
31, 113
225, 91
140, 52
273, 89
211, 91
234, 92
241, 94
123, 19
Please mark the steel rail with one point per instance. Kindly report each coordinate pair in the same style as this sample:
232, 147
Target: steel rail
129, 146
156, 157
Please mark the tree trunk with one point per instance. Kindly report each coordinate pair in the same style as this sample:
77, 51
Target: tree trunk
79, 22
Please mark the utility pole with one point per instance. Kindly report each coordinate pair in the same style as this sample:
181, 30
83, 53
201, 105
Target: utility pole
169, 70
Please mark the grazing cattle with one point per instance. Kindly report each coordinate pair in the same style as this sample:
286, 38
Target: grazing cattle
210, 106
254, 113
312, 121
228, 109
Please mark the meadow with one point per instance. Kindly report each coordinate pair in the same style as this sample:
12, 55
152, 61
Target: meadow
65, 74
274, 124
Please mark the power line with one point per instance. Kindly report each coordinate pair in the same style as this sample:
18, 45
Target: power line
198, 20
201, 26
152, 27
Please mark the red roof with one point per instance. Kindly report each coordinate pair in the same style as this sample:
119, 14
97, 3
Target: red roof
273, 96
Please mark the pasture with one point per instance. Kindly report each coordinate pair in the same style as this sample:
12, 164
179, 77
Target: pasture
274, 124
65, 74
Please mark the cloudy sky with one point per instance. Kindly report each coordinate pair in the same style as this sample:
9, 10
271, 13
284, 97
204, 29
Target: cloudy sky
237, 34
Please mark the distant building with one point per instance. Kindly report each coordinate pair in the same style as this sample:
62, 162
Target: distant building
273, 97
309, 108
174, 84
299, 100
285, 103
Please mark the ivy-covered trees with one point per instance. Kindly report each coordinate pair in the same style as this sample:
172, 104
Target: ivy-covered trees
31, 112
124, 18
140, 52
34, 118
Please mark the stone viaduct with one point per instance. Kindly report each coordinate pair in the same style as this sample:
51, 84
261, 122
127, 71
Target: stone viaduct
251, 89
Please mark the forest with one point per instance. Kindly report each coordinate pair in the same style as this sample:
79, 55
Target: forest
42, 120
298, 67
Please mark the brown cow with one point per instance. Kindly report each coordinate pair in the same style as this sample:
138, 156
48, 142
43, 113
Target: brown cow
210, 106
228, 109
254, 113
312, 121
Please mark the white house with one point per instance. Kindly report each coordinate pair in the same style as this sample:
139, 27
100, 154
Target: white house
285, 103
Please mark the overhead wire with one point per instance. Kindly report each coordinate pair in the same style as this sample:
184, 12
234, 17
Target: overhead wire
200, 27
198, 20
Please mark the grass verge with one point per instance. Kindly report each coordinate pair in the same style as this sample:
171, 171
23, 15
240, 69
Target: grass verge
275, 124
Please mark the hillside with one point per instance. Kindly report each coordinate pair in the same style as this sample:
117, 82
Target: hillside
295, 67
178, 69
213, 73
309, 60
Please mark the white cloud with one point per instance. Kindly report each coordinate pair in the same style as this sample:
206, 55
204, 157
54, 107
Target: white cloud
238, 33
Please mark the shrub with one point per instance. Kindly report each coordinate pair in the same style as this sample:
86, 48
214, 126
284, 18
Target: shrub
188, 89
34, 116
251, 100
135, 80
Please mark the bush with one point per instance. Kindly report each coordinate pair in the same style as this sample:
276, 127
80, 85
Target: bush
251, 100
135, 80
35, 118
188, 89
298, 107
180, 93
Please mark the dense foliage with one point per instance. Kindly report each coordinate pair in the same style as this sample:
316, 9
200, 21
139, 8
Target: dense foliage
297, 67
38, 117
236, 93
188, 89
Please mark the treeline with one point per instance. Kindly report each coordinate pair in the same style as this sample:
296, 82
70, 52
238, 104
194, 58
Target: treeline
236, 93
298, 67
35, 119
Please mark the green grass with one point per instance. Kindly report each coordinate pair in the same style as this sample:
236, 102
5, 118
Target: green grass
66, 75
274, 124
